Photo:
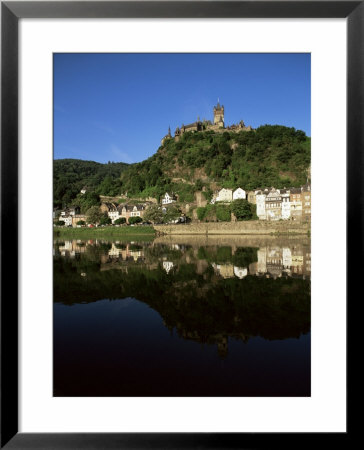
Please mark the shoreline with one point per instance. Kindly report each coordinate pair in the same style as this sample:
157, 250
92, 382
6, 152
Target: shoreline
233, 229
244, 228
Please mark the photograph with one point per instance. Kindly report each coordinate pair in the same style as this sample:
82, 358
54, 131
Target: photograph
181, 224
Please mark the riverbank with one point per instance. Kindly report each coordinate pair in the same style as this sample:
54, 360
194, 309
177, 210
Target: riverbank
252, 227
104, 232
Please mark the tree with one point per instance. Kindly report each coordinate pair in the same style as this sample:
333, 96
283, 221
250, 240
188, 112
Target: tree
201, 212
172, 213
81, 222
87, 200
242, 209
153, 214
223, 213
120, 221
105, 220
94, 215
136, 219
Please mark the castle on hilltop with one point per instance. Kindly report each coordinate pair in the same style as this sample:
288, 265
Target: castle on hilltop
218, 125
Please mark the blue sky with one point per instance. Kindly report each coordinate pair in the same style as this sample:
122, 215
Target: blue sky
117, 107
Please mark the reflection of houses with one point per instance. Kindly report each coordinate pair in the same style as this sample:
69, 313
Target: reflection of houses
72, 248
225, 270
167, 266
276, 261
286, 257
126, 252
262, 260
240, 272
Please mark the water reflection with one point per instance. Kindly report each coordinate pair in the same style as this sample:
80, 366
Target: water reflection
222, 292
272, 259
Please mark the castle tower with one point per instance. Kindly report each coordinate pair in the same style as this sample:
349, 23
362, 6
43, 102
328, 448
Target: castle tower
219, 115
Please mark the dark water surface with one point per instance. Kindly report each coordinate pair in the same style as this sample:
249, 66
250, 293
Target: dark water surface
186, 316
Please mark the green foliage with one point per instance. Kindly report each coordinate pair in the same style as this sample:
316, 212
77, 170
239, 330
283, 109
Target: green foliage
71, 175
272, 155
199, 185
59, 223
153, 214
81, 222
105, 220
223, 213
242, 209
120, 221
201, 212
244, 256
134, 220
94, 215
207, 194
87, 200
172, 213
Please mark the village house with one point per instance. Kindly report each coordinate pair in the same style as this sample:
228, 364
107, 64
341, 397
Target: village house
167, 199
286, 204
273, 205
296, 203
71, 211
260, 197
128, 211
239, 193
137, 211
251, 197
77, 218
67, 219
111, 209
306, 202
224, 195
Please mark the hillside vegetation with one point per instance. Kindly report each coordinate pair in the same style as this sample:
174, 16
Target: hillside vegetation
71, 175
272, 155
269, 156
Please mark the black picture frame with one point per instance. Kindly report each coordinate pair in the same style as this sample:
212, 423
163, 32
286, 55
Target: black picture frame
11, 12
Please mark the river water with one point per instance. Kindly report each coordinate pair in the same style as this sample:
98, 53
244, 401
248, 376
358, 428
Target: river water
182, 316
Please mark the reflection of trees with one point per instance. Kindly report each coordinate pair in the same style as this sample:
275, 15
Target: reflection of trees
198, 304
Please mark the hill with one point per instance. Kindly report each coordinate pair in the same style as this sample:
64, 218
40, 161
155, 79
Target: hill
71, 175
271, 155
